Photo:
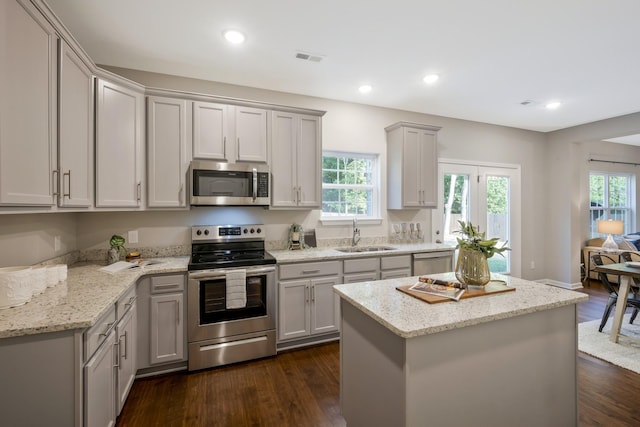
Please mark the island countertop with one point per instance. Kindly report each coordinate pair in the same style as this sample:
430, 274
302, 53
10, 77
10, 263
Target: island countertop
409, 317
79, 301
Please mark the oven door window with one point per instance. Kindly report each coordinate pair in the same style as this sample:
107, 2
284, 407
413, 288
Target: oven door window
222, 184
213, 301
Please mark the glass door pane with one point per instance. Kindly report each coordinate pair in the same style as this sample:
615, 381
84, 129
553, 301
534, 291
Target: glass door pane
456, 207
497, 219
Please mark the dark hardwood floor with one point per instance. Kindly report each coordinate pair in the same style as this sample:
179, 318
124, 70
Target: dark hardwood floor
302, 388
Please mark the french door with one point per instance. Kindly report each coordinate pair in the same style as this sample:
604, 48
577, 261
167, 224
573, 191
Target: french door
486, 195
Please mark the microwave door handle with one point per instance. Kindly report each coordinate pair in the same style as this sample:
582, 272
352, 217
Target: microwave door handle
255, 184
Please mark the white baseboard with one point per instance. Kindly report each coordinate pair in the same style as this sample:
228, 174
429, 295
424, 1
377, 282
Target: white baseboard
570, 286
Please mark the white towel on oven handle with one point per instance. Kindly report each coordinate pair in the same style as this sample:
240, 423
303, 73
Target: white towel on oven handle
236, 282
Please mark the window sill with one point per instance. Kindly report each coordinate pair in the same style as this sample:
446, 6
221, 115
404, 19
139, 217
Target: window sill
331, 221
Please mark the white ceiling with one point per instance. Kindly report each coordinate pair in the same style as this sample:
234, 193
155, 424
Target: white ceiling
491, 54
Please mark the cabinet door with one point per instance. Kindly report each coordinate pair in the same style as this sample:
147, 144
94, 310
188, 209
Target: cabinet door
309, 156
325, 306
127, 337
28, 76
99, 387
167, 329
166, 152
210, 130
284, 191
411, 167
251, 134
119, 113
293, 309
75, 147
429, 169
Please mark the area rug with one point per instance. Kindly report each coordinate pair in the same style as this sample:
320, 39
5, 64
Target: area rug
626, 353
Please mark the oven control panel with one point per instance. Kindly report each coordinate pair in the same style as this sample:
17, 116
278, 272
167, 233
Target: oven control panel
227, 232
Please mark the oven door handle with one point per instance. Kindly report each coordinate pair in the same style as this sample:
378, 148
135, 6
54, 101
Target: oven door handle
210, 274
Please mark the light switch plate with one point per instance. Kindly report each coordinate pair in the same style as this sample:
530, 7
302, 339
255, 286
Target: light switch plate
132, 236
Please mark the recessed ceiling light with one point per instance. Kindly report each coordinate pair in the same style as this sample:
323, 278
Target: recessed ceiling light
553, 105
430, 78
234, 36
365, 88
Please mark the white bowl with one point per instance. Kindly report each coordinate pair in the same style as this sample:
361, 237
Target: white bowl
15, 286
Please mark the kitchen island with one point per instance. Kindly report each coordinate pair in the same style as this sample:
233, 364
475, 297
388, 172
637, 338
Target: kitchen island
504, 359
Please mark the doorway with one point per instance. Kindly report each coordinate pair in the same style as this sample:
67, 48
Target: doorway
488, 196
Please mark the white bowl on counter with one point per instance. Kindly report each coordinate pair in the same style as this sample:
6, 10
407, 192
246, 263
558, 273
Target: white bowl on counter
15, 286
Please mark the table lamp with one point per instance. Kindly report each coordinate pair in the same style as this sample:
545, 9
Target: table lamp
610, 227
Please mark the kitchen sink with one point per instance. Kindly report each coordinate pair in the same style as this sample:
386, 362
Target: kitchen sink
365, 249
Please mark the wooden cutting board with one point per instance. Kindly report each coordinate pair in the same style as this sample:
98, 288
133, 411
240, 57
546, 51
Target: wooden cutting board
493, 287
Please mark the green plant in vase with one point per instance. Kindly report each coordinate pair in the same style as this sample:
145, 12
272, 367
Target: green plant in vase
117, 246
475, 249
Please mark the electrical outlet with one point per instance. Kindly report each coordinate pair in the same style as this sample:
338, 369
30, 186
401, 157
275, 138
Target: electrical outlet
133, 236
56, 243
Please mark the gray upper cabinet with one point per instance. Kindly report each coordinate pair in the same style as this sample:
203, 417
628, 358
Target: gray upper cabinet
296, 150
412, 165
168, 153
211, 130
229, 133
251, 134
119, 145
28, 77
75, 145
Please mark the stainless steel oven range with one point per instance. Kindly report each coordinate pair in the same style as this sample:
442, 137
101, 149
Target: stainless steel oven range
231, 296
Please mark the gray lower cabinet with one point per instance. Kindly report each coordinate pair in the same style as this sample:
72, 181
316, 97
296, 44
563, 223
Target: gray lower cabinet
110, 370
395, 267
99, 372
361, 270
162, 322
307, 305
126, 354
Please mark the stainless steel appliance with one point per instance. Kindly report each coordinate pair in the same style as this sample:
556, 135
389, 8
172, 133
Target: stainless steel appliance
433, 262
228, 184
220, 333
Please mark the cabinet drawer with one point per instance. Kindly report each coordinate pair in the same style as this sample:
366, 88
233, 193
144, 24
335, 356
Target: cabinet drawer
309, 269
361, 277
170, 283
361, 265
125, 302
395, 262
95, 335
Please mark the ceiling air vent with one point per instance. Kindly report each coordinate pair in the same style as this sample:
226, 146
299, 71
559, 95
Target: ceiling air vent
309, 57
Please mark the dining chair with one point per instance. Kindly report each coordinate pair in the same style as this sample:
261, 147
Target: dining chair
632, 301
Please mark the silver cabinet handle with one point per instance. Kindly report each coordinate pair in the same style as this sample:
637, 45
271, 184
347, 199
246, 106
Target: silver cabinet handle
238, 148
180, 194
139, 191
306, 294
117, 361
310, 271
126, 345
178, 314
224, 147
69, 193
106, 331
313, 293
56, 185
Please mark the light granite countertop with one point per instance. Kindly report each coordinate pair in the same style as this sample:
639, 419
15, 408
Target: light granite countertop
80, 301
317, 254
410, 317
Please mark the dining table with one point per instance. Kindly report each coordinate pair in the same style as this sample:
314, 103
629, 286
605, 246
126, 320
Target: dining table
627, 273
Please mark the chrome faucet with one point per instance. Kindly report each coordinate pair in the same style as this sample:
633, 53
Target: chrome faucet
356, 232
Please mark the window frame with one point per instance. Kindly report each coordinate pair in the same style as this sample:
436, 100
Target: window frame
340, 219
628, 210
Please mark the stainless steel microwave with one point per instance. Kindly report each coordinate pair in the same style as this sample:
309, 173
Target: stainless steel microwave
228, 184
